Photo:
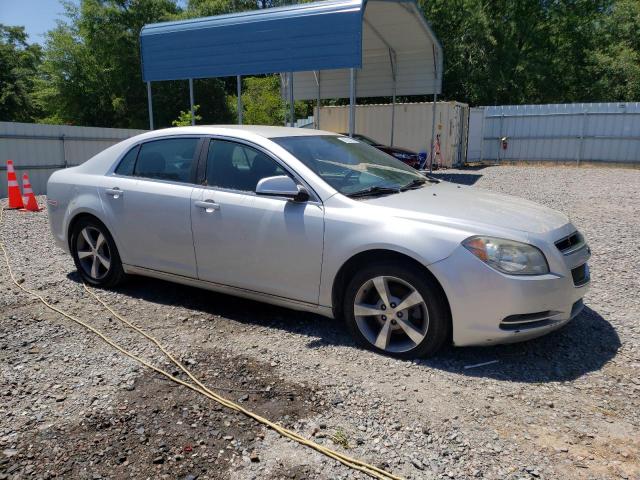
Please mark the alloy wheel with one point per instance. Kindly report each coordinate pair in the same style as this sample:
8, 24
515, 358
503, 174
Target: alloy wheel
391, 314
93, 252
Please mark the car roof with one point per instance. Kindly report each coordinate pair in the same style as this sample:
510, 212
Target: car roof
265, 131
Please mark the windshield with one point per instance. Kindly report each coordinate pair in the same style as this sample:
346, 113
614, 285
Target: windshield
367, 140
348, 165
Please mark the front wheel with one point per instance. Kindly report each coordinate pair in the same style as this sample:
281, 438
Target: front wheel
95, 254
396, 309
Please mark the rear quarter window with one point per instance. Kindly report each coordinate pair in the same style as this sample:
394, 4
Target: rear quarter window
125, 167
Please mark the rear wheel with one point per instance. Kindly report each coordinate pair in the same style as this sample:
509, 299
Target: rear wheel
95, 254
397, 310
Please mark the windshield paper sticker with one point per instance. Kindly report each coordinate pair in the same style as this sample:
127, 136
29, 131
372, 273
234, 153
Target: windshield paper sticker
348, 140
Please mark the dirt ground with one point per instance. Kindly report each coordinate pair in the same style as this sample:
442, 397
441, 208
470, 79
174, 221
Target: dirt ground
561, 407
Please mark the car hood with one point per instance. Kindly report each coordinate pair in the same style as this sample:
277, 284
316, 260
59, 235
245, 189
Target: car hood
448, 203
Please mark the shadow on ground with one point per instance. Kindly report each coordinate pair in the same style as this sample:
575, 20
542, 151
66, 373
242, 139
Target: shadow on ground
584, 345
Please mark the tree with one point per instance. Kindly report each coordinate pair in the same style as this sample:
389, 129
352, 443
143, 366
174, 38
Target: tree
495, 52
530, 51
615, 58
91, 68
19, 63
207, 8
184, 119
262, 103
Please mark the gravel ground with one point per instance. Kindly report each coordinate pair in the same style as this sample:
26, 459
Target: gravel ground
563, 406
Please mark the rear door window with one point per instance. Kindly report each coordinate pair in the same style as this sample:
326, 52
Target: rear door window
167, 159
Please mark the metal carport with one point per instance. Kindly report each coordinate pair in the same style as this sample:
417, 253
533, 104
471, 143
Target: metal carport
330, 49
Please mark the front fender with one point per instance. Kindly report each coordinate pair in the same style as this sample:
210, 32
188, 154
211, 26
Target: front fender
349, 232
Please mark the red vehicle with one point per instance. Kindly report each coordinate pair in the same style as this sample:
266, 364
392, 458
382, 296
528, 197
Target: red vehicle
406, 156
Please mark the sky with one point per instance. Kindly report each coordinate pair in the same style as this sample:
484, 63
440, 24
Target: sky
37, 16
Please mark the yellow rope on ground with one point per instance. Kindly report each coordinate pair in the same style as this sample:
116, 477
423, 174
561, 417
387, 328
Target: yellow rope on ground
200, 388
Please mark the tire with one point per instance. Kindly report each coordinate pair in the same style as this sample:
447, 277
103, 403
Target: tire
88, 238
387, 327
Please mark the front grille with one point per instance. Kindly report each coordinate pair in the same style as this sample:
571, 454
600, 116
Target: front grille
569, 244
580, 275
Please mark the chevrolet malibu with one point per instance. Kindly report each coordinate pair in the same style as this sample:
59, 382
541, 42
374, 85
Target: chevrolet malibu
323, 223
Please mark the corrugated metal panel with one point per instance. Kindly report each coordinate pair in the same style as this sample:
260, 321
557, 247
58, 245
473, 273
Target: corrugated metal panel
398, 26
600, 132
321, 35
412, 126
476, 123
327, 36
41, 149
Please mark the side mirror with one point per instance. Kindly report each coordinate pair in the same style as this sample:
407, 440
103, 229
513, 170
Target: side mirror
282, 186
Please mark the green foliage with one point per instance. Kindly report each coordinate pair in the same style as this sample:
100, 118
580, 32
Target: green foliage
207, 8
91, 71
184, 119
18, 67
615, 62
495, 52
503, 52
261, 101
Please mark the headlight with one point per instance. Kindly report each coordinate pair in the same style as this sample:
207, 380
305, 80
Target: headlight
507, 256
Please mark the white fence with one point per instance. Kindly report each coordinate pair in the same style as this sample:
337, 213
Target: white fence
412, 127
591, 132
42, 149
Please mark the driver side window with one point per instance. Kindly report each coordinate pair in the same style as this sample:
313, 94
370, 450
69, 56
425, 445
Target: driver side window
238, 167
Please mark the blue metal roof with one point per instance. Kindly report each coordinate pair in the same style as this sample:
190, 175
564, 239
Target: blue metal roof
312, 36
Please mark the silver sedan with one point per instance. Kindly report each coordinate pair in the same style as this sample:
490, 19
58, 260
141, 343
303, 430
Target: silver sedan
324, 223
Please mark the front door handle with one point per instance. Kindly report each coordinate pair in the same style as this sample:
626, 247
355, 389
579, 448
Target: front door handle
114, 192
208, 205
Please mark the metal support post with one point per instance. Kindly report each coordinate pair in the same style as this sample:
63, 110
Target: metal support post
500, 138
433, 132
392, 62
292, 106
240, 107
150, 105
193, 112
318, 102
352, 102
581, 140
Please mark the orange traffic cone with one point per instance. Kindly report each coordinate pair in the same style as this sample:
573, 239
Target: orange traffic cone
30, 202
13, 189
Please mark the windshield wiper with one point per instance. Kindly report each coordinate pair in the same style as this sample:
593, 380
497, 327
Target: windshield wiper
370, 191
418, 182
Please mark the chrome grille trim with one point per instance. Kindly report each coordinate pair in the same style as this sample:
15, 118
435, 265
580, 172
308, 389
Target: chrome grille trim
571, 243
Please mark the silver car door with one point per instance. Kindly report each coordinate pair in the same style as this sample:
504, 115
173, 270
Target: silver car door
150, 210
265, 244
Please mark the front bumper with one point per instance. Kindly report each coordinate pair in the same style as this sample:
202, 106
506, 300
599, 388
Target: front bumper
488, 307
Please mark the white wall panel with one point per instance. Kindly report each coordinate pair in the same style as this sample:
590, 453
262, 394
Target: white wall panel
600, 132
39, 150
412, 126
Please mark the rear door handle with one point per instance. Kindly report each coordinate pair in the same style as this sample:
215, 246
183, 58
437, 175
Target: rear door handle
114, 192
208, 205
